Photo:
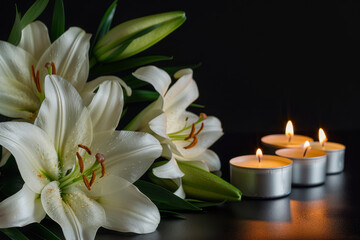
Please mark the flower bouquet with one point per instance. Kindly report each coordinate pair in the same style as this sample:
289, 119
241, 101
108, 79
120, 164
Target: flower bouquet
64, 155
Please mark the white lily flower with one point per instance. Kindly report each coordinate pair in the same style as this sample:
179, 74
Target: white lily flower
183, 135
77, 168
22, 67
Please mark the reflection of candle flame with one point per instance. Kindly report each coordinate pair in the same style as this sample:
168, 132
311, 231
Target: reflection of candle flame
306, 147
289, 130
259, 154
322, 137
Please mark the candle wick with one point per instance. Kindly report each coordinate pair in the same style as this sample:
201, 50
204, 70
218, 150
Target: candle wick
259, 158
289, 138
305, 151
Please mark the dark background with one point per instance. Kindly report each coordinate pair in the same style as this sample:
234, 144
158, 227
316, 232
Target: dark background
263, 62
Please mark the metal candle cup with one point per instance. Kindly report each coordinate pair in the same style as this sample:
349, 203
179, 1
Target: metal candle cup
273, 142
308, 170
335, 155
271, 178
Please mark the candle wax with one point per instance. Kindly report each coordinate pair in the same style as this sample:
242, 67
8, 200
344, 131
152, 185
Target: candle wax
328, 146
298, 153
281, 140
267, 161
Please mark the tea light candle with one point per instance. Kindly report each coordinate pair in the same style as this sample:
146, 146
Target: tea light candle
288, 140
261, 176
309, 167
335, 153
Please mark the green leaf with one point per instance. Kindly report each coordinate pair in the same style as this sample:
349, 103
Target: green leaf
33, 12
142, 96
163, 198
115, 67
58, 20
120, 48
105, 24
202, 204
173, 214
134, 36
199, 184
133, 82
14, 233
15, 34
40, 232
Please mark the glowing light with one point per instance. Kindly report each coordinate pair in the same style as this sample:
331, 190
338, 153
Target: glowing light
289, 130
322, 137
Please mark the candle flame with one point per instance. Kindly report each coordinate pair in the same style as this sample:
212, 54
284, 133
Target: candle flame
306, 147
259, 154
289, 130
322, 137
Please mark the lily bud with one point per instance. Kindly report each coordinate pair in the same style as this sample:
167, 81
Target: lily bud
134, 36
199, 184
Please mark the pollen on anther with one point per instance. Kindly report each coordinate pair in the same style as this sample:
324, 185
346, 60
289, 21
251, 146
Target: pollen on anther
81, 162
102, 169
191, 135
86, 182
201, 128
92, 178
193, 143
53, 68
87, 149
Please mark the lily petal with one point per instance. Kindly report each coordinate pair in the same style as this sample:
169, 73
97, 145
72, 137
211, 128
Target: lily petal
78, 215
5, 154
22, 208
64, 117
35, 39
127, 154
169, 170
70, 55
157, 77
91, 87
158, 125
106, 106
180, 96
18, 97
34, 153
180, 191
127, 209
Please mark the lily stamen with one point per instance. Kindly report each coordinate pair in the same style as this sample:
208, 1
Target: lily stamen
92, 178
87, 149
191, 135
36, 78
86, 182
193, 143
194, 136
53, 68
81, 162
201, 128
101, 159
